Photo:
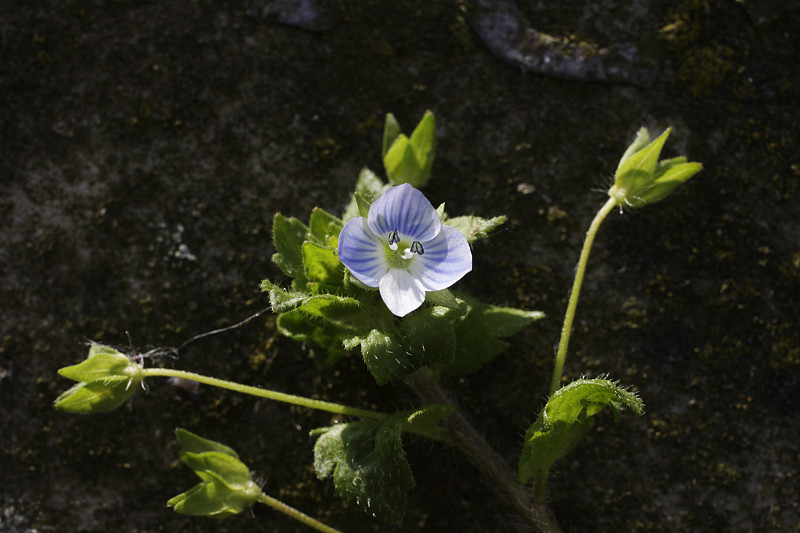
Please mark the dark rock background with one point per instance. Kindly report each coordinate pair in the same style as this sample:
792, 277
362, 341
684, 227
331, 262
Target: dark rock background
144, 148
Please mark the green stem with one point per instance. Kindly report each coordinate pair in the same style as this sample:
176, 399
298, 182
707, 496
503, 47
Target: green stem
265, 393
569, 317
294, 513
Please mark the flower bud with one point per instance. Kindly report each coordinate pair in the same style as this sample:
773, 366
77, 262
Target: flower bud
409, 160
227, 487
642, 179
107, 378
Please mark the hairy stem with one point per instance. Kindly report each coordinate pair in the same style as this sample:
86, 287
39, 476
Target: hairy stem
486, 459
266, 393
569, 316
297, 515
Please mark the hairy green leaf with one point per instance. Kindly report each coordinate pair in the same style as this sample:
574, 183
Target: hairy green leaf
324, 228
475, 228
429, 338
425, 337
565, 419
288, 235
322, 264
369, 187
445, 298
325, 348
480, 332
282, 300
368, 465
385, 356
425, 421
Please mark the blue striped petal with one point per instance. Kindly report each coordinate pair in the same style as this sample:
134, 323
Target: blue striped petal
405, 209
362, 252
447, 259
401, 292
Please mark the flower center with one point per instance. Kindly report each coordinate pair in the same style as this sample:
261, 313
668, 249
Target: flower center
394, 257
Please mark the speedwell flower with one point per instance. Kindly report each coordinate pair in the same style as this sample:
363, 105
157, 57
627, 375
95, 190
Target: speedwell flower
404, 249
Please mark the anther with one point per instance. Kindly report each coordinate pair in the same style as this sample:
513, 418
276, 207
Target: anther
393, 237
416, 247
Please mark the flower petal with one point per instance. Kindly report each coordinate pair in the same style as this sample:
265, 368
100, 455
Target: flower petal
401, 292
405, 209
447, 259
362, 252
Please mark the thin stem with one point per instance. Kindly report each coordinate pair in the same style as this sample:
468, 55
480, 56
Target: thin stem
486, 459
569, 317
297, 515
266, 393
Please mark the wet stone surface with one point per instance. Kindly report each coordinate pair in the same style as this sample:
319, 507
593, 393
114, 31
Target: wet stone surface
146, 147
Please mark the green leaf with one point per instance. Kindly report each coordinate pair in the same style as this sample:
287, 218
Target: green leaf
475, 228
324, 228
368, 465
369, 187
565, 419
478, 334
98, 396
424, 338
385, 356
391, 130
363, 204
425, 421
103, 362
347, 314
429, 338
322, 264
323, 337
282, 300
196, 444
288, 235
445, 298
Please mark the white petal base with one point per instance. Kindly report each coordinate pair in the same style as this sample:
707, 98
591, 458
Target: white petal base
401, 292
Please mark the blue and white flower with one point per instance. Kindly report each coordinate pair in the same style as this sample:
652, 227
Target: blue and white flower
404, 249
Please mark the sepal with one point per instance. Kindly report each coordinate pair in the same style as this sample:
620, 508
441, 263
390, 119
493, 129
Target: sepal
642, 179
226, 488
107, 378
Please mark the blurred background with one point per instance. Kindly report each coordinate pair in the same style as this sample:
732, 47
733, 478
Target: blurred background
145, 148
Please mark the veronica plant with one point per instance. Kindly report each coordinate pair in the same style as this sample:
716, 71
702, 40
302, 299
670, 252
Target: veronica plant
377, 282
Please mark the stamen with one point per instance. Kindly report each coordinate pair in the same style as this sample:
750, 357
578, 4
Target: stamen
416, 247
394, 238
